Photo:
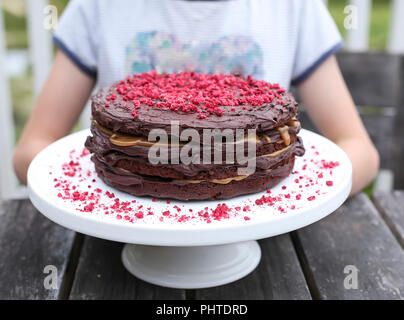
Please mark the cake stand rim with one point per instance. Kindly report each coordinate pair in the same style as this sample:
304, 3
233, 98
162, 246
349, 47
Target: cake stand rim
196, 235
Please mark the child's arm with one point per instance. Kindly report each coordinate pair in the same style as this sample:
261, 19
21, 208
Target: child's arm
330, 106
57, 109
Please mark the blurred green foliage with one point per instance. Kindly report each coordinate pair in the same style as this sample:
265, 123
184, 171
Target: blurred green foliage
16, 35
16, 25
379, 21
21, 86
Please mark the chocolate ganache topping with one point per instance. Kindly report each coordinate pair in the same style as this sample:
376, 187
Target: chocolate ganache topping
198, 101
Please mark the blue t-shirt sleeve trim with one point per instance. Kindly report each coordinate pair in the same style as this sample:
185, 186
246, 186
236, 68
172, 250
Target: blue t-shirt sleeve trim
299, 79
76, 60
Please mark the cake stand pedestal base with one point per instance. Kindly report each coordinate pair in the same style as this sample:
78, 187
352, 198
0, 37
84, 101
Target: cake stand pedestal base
191, 267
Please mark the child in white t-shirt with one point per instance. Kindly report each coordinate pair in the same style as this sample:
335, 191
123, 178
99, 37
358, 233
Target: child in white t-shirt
290, 42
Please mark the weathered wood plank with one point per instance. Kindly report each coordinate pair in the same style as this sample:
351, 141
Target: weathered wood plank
101, 275
381, 130
354, 235
28, 243
391, 206
8, 205
278, 276
373, 78
398, 152
376, 79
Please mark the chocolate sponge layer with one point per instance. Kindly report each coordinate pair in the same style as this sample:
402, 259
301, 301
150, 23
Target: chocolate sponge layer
134, 159
205, 190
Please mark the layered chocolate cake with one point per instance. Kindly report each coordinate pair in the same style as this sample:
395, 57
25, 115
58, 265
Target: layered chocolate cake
188, 136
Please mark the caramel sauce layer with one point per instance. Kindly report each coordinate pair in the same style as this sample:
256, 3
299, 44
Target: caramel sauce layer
124, 140
267, 139
227, 180
218, 181
276, 153
284, 131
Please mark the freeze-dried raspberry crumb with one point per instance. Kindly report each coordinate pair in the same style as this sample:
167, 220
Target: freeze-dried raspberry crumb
110, 195
190, 92
328, 164
139, 215
89, 207
222, 211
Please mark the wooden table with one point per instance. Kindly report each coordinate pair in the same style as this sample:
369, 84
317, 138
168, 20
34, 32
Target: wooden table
307, 264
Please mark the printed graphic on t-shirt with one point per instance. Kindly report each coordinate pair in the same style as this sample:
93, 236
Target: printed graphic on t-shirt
163, 52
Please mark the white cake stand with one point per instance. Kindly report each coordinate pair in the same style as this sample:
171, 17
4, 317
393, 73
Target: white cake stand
195, 254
